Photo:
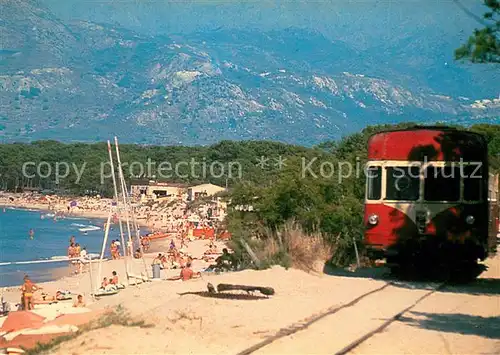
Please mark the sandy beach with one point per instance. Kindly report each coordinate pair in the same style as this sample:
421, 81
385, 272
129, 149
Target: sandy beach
186, 320
309, 312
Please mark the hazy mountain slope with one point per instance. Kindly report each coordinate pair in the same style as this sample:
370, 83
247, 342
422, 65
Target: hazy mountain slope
85, 81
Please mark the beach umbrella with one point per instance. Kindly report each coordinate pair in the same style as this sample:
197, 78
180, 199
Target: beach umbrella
21, 320
73, 203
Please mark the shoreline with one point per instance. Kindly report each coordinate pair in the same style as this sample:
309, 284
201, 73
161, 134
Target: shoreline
79, 283
58, 269
162, 216
33, 207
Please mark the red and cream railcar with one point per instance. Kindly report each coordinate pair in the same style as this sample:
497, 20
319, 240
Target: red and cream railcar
428, 195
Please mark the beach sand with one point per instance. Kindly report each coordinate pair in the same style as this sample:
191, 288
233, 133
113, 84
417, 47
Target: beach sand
461, 319
186, 321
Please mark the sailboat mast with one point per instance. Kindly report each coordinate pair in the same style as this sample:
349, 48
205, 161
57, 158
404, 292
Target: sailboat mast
126, 201
117, 205
123, 189
104, 242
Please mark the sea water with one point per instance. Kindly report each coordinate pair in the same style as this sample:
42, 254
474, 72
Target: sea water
50, 238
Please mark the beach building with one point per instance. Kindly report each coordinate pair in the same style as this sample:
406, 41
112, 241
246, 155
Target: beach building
139, 187
149, 189
164, 189
203, 190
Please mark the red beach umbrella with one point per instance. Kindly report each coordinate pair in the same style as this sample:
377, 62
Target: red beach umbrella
21, 320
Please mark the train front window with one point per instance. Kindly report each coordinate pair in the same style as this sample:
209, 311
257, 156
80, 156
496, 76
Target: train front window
374, 183
473, 178
442, 183
403, 183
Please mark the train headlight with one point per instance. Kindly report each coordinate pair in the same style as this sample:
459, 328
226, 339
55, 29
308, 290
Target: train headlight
470, 220
373, 219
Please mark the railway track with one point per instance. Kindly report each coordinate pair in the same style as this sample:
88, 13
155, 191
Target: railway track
334, 329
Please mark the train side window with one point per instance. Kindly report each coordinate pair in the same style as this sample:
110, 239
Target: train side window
374, 183
403, 183
473, 178
442, 183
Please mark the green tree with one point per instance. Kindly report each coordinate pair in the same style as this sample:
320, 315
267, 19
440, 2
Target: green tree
484, 45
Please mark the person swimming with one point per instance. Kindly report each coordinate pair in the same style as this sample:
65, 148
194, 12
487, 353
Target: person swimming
32, 234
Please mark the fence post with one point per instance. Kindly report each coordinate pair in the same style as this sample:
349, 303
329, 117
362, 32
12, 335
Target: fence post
356, 251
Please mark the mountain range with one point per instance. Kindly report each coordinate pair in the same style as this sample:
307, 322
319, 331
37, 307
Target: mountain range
81, 80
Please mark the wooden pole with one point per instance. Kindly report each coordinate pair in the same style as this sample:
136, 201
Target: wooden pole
91, 282
356, 251
123, 188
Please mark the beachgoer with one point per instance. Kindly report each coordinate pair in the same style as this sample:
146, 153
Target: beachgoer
226, 260
28, 289
32, 233
130, 247
172, 244
72, 240
187, 273
79, 302
113, 250
71, 250
138, 254
157, 260
83, 256
77, 250
104, 283
114, 279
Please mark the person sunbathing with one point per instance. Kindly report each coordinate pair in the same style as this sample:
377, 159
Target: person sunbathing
62, 295
187, 273
106, 286
211, 250
104, 283
114, 281
114, 278
79, 302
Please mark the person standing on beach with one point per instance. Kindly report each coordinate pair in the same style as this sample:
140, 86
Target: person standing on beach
28, 289
77, 250
118, 246
113, 250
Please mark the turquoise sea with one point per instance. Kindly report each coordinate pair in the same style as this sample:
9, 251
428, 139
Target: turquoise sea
51, 238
